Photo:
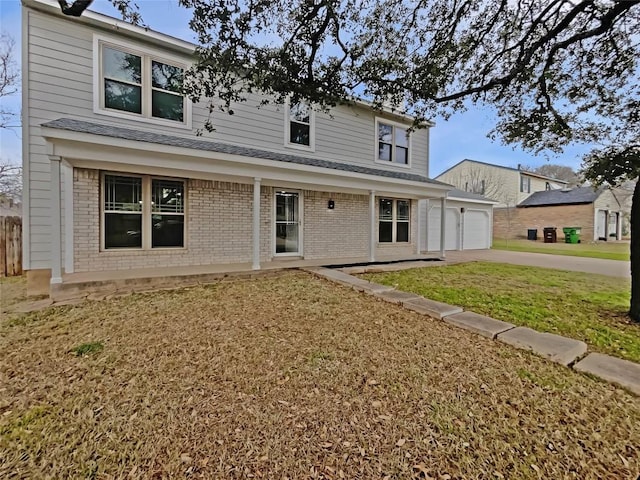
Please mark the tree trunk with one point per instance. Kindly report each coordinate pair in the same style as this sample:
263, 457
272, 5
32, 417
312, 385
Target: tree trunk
634, 311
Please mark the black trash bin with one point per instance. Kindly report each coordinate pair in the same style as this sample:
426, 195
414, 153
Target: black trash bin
550, 235
532, 234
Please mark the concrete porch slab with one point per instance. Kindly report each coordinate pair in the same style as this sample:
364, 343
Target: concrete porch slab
432, 308
558, 349
480, 324
611, 369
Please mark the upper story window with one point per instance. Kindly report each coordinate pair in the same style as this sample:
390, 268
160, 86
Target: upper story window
300, 126
134, 83
525, 184
392, 143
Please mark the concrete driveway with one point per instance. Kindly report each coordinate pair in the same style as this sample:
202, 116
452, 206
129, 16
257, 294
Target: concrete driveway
612, 268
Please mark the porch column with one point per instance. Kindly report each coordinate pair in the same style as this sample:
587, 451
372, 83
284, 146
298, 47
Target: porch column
372, 226
419, 227
256, 223
56, 223
443, 225
67, 178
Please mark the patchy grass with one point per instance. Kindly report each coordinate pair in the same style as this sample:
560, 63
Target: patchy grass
588, 307
87, 348
606, 250
13, 290
293, 377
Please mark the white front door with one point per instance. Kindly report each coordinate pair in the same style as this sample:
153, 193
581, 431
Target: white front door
287, 226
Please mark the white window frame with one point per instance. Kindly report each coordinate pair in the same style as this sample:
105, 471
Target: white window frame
287, 128
395, 125
524, 180
394, 221
146, 213
147, 56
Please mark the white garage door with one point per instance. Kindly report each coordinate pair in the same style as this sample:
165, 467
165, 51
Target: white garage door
476, 230
453, 229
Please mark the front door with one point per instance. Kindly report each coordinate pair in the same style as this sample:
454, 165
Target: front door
287, 223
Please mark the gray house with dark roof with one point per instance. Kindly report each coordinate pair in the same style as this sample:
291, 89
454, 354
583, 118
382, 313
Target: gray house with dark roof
122, 181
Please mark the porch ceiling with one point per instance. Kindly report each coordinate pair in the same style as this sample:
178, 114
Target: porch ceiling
91, 145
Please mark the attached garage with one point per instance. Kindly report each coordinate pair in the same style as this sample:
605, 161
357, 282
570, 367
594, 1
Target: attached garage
468, 222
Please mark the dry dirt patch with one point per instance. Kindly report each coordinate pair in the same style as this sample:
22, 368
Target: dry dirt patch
292, 377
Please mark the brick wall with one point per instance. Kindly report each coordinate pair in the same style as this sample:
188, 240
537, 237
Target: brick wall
514, 222
341, 232
218, 218
219, 227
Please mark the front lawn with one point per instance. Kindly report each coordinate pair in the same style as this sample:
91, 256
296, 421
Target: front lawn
606, 250
584, 306
292, 377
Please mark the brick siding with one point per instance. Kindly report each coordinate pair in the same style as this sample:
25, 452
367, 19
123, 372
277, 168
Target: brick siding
514, 222
219, 227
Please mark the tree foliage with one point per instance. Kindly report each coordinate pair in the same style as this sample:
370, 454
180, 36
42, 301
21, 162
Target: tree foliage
9, 77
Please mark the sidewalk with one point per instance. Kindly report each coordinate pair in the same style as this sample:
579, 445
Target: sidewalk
612, 268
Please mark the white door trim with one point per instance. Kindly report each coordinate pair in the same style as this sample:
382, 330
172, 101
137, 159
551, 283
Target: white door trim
300, 252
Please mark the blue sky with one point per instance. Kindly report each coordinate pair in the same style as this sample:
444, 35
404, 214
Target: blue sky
462, 136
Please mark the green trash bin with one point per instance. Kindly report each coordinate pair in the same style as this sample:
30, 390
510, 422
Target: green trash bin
571, 234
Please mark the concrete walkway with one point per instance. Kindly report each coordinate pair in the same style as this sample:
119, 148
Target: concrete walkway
565, 351
612, 268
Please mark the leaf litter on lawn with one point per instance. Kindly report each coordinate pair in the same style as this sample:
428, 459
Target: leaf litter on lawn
293, 377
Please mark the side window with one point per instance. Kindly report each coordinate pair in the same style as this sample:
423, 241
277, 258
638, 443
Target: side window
142, 212
393, 220
299, 126
392, 143
525, 184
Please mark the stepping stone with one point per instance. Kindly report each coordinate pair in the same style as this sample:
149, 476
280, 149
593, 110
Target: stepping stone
33, 306
611, 369
485, 326
348, 280
558, 349
432, 308
396, 296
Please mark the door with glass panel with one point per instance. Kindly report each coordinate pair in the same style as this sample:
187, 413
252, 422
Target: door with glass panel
287, 223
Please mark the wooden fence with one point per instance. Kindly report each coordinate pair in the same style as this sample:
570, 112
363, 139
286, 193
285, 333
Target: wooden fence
10, 246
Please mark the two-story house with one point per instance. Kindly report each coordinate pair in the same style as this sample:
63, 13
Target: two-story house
117, 178
507, 186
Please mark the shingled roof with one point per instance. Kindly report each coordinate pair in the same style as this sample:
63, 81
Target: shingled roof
82, 126
574, 196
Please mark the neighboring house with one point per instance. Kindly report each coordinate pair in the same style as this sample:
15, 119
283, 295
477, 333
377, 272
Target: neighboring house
116, 176
507, 186
597, 212
9, 208
468, 222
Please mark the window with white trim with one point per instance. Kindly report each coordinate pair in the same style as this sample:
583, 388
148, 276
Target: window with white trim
525, 184
142, 212
135, 83
393, 220
299, 126
392, 143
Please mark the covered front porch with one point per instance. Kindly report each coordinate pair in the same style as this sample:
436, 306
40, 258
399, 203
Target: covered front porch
244, 209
